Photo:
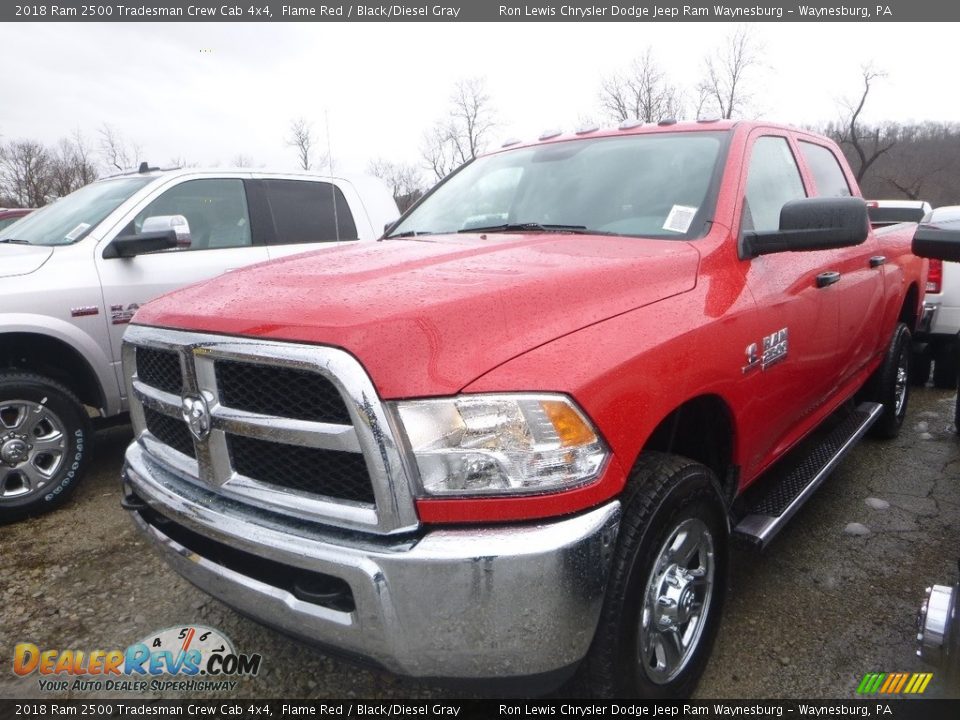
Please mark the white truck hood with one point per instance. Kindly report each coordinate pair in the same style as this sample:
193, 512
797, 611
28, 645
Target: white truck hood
22, 259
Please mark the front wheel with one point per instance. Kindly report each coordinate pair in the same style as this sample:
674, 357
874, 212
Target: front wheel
45, 440
667, 583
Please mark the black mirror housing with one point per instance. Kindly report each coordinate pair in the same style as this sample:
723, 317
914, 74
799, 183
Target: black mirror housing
127, 246
938, 236
812, 224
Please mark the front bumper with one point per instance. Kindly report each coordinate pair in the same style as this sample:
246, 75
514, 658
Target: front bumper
504, 601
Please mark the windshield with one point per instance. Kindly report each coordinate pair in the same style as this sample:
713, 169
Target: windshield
70, 218
656, 185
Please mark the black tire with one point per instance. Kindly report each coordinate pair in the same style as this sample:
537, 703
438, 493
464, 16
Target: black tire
945, 366
45, 443
920, 364
956, 417
888, 382
663, 493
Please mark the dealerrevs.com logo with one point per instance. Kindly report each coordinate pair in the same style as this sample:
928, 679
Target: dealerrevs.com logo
186, 658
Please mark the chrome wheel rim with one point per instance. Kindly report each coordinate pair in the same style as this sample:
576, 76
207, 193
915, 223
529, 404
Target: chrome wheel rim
676, 601
903, 378
33, 448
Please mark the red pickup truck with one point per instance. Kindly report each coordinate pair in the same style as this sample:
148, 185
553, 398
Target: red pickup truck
516, 437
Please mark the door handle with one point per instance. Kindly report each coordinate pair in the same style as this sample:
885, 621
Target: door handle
877, 260
827, 278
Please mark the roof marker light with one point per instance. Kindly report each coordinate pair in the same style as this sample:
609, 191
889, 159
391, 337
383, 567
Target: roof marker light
630, 124
587, 129
667, 121
547, 134
509, 142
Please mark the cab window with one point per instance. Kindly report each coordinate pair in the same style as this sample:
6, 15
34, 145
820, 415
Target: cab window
308, 212
215, 210
773, 179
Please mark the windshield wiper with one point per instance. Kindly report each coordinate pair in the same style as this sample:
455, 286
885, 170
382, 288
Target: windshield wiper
15, 241
410, 233
526, 227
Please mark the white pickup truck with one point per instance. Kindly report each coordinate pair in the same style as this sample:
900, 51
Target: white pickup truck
935, 341
73, 274
942, 312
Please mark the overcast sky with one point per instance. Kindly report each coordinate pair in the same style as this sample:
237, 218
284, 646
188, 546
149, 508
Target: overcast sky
208, 92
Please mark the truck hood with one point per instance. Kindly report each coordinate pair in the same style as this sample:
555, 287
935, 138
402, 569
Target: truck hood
22, 259
426, 316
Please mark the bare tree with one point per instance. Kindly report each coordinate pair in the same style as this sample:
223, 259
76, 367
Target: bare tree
71, 165
25, 173
403, 179
464, 133
643, 92
117, 151
302, 140
924, 164
181, 161
869, 144
242, 161
86, 167
724, 88
436, 151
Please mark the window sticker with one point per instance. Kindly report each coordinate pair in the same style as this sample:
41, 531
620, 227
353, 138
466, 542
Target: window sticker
77, 232
679, 218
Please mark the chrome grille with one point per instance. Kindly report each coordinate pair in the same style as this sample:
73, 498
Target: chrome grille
160, 369
170, 431
339, 475
279, 391
297, 429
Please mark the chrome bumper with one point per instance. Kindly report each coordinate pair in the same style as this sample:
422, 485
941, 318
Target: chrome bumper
926, 317
498, 602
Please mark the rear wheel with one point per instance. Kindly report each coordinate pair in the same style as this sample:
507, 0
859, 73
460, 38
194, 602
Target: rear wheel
44, 444
667, 583
890, 385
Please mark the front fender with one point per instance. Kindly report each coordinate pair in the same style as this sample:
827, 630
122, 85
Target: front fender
92, 352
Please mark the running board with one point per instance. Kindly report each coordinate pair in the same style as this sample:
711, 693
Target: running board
783, 495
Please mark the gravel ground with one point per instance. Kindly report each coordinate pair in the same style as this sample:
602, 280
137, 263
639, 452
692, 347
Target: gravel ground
805, 619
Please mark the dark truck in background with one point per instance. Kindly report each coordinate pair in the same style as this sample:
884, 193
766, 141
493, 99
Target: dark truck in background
938, 622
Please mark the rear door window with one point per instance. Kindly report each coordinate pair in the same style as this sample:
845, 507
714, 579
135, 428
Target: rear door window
308, 212
826, 170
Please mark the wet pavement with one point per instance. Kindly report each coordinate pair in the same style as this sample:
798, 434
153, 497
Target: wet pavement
825, 604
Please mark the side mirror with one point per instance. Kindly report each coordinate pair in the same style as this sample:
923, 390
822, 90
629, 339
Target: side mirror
160, 223
938, 236
127, 246
812, 224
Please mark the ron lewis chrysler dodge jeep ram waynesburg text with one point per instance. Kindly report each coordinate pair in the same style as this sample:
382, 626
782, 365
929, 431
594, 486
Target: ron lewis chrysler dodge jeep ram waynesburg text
515, 437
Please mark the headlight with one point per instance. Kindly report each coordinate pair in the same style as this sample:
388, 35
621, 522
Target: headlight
501, 444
